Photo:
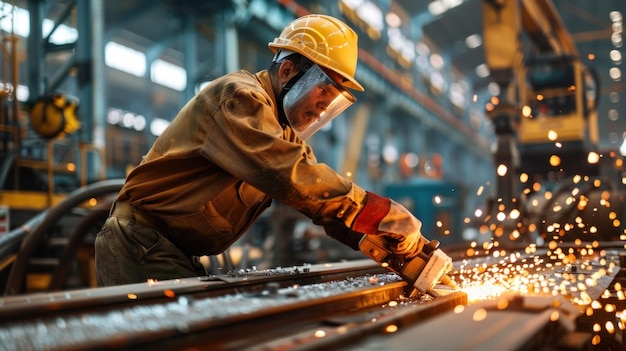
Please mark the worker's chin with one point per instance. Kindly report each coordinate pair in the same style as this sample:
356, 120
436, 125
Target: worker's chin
305, 120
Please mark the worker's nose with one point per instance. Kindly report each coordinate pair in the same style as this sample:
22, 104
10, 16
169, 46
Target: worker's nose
322, 106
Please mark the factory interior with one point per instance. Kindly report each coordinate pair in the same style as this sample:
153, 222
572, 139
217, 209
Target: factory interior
496, 123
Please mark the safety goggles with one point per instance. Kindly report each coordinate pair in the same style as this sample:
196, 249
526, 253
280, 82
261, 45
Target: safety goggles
313, 101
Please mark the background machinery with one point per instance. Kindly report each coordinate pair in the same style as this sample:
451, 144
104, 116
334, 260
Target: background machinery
554, 183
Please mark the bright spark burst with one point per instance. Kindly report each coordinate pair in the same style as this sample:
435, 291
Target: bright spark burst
494, 277
570, 262
531, 274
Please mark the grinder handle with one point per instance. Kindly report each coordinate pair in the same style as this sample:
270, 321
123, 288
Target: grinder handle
423, 271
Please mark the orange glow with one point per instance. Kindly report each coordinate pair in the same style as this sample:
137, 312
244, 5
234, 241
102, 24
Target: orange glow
479, 315
595, 340
555, 161
320, 333
391, 328
132, 296
554, 316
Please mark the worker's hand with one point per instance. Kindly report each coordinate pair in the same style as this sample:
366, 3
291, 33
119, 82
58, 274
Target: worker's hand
383, 216
400, 225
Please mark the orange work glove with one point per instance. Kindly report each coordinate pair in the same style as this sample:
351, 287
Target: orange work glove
383, 216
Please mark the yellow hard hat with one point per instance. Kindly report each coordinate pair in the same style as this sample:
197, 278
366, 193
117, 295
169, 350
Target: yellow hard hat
325, 40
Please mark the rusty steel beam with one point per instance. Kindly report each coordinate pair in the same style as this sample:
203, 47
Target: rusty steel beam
172, 313
345, 306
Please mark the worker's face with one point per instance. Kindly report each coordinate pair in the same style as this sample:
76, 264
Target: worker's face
314, 100
309, 108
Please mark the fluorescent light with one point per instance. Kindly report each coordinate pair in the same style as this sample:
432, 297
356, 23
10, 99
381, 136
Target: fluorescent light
473, 41
168, 74
125, 59
158, 125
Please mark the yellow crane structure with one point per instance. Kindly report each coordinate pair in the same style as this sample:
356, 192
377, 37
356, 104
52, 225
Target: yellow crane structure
545, 119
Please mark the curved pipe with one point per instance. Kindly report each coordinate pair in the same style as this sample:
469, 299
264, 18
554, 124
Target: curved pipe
10, 243
15, 283
63, 269
5, 167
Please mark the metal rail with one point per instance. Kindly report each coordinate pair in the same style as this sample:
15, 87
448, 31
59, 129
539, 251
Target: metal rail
347, 306
263, 305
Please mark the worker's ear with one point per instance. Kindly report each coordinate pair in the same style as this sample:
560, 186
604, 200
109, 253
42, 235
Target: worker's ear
286, 71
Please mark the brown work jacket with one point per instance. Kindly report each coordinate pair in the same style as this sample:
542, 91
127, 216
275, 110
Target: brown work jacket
217, 166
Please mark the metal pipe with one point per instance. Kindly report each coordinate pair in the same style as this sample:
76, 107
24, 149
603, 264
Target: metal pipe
31, 239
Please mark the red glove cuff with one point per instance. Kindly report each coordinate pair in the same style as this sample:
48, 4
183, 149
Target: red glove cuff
375, 209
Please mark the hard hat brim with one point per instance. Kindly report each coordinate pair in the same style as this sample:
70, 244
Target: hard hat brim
349, 81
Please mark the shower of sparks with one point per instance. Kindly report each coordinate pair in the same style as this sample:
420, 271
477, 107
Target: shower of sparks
488, 280
565, 257
532, 275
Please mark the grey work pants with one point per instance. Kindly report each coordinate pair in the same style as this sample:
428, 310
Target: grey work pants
128, 252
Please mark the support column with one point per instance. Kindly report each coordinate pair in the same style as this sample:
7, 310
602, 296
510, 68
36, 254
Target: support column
91, 85
35, 49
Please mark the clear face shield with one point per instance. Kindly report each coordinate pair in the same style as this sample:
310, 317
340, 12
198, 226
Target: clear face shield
314, 100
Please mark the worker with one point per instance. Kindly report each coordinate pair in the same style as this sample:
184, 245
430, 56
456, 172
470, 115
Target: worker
236, 146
